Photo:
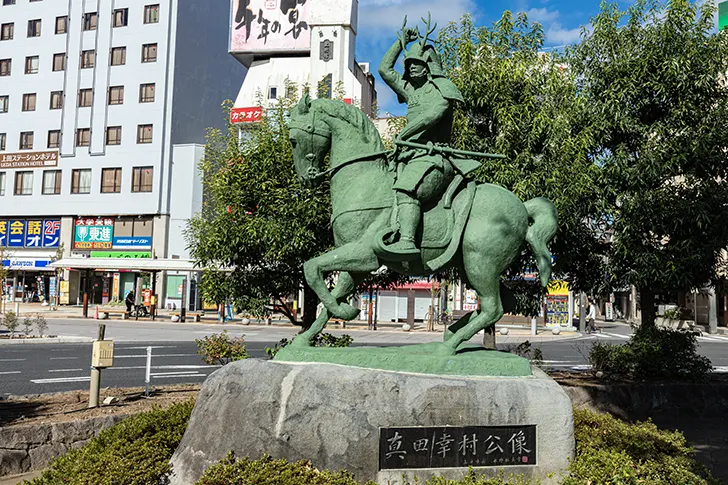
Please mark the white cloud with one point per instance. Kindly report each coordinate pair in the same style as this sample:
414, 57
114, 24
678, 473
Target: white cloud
542, 15
386, 15
556, 35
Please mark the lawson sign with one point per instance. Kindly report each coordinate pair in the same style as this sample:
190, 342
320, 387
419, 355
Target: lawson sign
27, 264
132, 242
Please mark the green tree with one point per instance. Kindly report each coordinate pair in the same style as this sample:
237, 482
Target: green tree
653, 83
522, 102
257, 224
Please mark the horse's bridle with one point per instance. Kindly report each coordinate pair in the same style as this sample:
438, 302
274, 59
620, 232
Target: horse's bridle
312, 172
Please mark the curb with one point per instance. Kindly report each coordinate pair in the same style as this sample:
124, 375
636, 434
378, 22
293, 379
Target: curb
48, 340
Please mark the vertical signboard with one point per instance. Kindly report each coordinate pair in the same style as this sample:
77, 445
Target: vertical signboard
722, 15
267, 26
51, 233
34, 234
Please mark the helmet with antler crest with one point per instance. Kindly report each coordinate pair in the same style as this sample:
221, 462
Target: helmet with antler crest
421, 50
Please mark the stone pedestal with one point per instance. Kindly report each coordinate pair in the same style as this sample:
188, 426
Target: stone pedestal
333, 415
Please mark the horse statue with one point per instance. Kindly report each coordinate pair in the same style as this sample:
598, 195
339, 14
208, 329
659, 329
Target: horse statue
478, 228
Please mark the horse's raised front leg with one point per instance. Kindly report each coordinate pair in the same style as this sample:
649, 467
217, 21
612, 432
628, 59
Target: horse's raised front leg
345, 286
350, 258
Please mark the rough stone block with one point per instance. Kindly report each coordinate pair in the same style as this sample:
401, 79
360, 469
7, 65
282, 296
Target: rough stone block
332, 415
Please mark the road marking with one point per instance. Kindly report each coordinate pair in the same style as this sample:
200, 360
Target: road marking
61, 379
184, 375
153, 356
10, 372
720, 369
172, 373
161, 367
713, 338
65, 370
12, 360
153, 347
64, 358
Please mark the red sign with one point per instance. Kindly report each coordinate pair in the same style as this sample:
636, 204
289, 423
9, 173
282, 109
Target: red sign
246, 115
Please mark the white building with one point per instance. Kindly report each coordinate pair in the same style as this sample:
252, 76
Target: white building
103, 113
307, 44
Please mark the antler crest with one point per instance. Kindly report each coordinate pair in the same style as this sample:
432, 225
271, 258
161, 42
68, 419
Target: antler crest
429, 30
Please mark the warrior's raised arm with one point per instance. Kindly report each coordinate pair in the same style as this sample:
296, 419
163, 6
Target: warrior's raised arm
386, 67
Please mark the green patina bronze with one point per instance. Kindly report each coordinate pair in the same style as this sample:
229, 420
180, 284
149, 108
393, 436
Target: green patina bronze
412, 209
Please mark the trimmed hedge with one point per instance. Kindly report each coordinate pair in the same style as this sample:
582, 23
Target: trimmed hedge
136, 451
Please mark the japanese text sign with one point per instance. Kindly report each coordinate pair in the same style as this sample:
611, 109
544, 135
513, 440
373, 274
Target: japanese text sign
29, 160
446, 447
93, 233
246, 115
18, 233
270, 26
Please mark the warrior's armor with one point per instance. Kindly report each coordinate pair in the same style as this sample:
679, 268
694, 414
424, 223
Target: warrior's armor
422, 176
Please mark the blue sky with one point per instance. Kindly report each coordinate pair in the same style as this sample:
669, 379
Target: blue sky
380, 20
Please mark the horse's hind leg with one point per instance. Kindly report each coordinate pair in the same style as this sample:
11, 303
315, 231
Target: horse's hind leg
484, 278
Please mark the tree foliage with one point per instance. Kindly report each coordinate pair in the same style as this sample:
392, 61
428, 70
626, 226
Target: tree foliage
653, 84
522, 102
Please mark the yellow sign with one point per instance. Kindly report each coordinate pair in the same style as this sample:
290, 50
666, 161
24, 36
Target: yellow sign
558, 288
64, 296
103, 353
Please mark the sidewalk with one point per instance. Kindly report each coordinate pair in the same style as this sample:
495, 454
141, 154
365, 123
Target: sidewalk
17, 479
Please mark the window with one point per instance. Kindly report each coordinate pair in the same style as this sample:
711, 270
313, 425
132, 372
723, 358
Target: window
61, 24
34, 28
3, 139
59, 62
118, 56
31, 65
8, 2
23, 183
4, 102
141, 179
149, 53
272, 92
151, 14
113, 135
56, 99
2, 184
146, 93
51, 182
81, 181
83, 136
26, 140
85, 98
110, 180
54, 138
5, 67
116, 95
144, 134
88, 59
121, 16
29, 102
7, 31
89, 21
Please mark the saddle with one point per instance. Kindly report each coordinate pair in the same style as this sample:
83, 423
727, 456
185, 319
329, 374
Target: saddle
441, 228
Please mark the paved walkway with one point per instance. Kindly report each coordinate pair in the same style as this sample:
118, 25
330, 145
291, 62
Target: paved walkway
17, 479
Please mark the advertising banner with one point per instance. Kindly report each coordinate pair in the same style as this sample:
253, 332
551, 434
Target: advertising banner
136, 242
266, 26
16, 233
122, 254
19, 233
93, 233
246, 115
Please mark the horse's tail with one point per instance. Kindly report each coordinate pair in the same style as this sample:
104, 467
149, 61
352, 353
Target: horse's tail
544, 220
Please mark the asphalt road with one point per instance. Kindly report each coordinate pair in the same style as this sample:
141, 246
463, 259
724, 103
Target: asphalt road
46, 368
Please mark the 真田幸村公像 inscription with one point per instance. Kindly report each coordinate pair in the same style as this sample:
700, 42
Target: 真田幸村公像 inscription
453, 447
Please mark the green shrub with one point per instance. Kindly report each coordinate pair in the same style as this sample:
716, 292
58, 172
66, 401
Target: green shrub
11, 322
320, 340
135, 451
27, 326
41, 324
653, 353
612, 452
220, 349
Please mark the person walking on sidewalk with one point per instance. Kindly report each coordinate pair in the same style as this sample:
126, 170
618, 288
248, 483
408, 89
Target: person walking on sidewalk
591, 317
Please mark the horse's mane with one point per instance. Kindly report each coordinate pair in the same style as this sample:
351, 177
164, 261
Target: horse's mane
353, 116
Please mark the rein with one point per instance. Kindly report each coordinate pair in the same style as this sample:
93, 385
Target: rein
351, 161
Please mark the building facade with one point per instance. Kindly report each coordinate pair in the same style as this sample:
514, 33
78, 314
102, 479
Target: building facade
104, 108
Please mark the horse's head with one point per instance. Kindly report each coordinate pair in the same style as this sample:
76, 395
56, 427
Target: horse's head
311, 140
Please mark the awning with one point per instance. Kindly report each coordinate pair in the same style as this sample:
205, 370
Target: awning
127, 264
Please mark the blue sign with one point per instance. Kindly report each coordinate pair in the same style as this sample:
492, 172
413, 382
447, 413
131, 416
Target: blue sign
26, 263
52, 287
16, 233
133, 242
51, 233
33, 234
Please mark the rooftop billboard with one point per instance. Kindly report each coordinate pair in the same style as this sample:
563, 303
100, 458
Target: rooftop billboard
270, 26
